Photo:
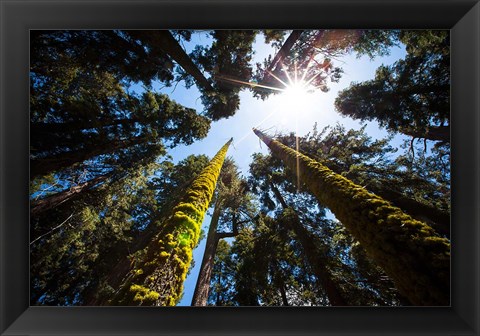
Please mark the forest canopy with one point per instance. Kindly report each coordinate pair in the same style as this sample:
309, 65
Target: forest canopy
240, 167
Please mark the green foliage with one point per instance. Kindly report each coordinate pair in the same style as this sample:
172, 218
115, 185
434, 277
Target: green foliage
108, 226
222, 288
228, 58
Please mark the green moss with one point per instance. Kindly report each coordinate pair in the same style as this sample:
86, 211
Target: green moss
143, 294
408, 250
170, 254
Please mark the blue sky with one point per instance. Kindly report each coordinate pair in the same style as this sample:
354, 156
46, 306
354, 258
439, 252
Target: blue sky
279, 113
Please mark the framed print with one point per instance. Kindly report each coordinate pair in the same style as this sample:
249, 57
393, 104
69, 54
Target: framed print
112, 173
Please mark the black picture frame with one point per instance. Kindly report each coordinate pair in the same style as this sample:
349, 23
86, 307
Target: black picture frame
17, 17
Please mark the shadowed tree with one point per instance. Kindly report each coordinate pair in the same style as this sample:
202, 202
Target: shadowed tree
227, 58
409, 251
164, 40
412, 96
152, 117
312, 251
73, 243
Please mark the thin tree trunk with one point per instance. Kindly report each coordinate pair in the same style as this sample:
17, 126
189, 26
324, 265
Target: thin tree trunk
282, 53
312, 254
43, 166
202, 288
157, 279
283, 293
41, 205
409, 251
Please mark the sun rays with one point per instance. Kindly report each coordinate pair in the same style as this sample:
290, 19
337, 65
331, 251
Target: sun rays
294, 98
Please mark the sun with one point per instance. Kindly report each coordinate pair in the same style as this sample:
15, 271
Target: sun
297, 92
295, 100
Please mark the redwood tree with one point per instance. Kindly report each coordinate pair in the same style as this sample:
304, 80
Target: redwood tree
157, 277
409, 251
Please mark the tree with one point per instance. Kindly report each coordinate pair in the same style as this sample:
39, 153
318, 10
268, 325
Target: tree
165, 189
44, 204
165, 41
412, 96
114, 52
409, 251
270, 269
222, 279
312, 249
157, 279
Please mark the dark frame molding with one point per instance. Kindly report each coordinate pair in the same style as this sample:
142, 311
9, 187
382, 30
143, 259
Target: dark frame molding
17, 17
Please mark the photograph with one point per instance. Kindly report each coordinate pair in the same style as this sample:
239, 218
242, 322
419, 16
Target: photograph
240, 168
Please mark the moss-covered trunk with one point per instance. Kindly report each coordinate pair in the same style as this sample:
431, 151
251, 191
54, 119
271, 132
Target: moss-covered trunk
158, 275
409, 251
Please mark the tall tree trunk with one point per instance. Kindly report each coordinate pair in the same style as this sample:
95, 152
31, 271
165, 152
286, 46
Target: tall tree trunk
312, 254
202, 288
43, 166
39, 206
409, 251
119, 271
157, 279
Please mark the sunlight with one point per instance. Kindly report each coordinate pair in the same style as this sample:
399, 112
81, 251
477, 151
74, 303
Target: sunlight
295, 101
296, 93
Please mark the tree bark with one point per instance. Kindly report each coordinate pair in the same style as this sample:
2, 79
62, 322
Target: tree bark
437, 219
43, 166
409, 251
434, 133
39, 206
